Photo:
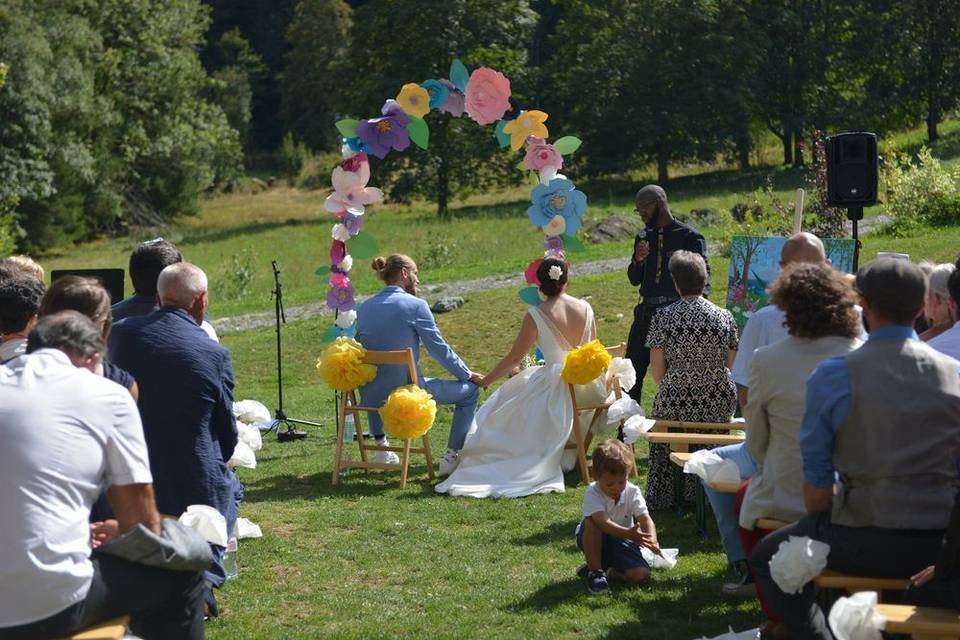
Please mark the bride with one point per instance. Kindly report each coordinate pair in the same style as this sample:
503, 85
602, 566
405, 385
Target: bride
517, 441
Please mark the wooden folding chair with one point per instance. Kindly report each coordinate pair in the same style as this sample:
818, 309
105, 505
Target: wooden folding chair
582, 441
348, 405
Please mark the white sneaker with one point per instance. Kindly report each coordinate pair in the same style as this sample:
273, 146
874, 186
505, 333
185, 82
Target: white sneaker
386, 457
449, 462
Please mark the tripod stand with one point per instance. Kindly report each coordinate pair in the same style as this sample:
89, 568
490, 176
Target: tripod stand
291, 433
855, 215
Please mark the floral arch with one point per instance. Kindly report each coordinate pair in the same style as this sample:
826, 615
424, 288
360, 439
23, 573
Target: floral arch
483, 95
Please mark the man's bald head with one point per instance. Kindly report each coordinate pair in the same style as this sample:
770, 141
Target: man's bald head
803, 247
183, 285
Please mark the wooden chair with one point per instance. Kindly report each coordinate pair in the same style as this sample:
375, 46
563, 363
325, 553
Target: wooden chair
110, 630
582, 440
921, 622
348, 405
769, 524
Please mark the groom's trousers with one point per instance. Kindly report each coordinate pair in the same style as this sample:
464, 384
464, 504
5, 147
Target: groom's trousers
462, 395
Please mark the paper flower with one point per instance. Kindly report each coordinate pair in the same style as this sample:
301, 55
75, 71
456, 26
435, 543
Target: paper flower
710, 467
408, 412
797, 561
856, 617
340, 298
636, 426
438, 92
559, 197
455, 102
350, 191
622, 369
353, 223
345, 264
414, 100
340, 232
337, 251
556, 227
530, 275
553, 245
623, 409
585, 363
345, 319
389, 132
341, 365
528, 123
488, 95
541, 154
358, 162
339, 280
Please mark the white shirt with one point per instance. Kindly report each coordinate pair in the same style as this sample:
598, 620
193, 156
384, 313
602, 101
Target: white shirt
948, 342
631, 504
764, 327
67, 434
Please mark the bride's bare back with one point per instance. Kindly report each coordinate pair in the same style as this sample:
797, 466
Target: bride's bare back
568, 316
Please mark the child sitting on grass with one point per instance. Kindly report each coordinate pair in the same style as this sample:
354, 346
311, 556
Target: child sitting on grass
615, 523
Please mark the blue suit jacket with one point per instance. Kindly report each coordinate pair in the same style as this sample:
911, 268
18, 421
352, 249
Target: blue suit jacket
186, 403
392, 320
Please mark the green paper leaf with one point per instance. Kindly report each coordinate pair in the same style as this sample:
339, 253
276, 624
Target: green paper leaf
331, 334
419, 132
363, 246
322, 271
530, 295
347, 128
502, 138
534, 179
572, 243
567, 144
459, 75
521, 166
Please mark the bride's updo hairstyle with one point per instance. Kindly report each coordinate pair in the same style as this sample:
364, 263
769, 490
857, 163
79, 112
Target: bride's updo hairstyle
548, 286
388, 269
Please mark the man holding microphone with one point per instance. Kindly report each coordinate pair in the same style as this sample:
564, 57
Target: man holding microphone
652, 249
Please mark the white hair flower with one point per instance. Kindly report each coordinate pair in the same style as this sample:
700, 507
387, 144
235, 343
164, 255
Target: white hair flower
347, 263
340, 233
555, 272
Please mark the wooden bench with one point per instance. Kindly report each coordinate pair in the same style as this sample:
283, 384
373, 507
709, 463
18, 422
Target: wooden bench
680, 458
110, 630
921, 622
682, 441
664, 425
830, 579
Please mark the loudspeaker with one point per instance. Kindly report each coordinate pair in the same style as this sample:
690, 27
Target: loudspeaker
111, 279
852, 169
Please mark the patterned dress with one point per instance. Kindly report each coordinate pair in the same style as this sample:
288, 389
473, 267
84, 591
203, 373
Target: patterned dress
696, 336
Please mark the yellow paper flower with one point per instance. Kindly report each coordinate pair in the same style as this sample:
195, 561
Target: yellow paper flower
341, 365
528, 123
408, 412
414, 100
585, 364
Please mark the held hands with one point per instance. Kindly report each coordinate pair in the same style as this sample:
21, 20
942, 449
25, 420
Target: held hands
103, 532
641, 251
478, 379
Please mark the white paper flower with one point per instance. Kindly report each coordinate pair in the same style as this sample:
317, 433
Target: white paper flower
798, 561
346, 264
752, 634
623, 369
340, 233
856, 617
556, 226
243, 456
345, 319
547, 174
251, 411
350, 191
206, 521
250, 435
636, 426
623, 409
346, 151
710, 467
555, 272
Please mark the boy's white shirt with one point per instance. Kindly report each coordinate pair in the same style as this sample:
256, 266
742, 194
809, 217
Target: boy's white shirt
630, 506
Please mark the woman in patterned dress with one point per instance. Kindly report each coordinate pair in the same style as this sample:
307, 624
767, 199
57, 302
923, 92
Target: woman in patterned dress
692, 346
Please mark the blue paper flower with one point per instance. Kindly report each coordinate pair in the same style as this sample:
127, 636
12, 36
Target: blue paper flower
357, 145
438, 92
557, 198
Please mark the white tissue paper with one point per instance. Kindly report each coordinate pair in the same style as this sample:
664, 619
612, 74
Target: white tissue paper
623, 369
250, 435
635, 426
206, 521
251, 411
246, 529
856, 617
798, 561
667, 561
710, 467
243, 456
622, 409
752, 634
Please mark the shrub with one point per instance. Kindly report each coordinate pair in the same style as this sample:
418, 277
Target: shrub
291, 156
920, 191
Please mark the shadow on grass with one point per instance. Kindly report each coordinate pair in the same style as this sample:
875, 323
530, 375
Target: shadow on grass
251, 229
289, 486
550, 596
555, 532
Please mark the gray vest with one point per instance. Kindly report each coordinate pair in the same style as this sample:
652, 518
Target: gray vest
897, 450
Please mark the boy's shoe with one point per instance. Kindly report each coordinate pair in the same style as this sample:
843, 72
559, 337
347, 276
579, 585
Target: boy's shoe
597, 583
744, 587
449, 462
582, 571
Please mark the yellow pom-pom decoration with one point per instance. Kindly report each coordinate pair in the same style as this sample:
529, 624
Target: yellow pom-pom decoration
341, 365
408, 412
585, 363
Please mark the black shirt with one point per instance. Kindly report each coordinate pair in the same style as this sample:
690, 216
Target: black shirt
652, 275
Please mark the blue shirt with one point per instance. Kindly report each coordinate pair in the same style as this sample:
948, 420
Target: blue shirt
827, 406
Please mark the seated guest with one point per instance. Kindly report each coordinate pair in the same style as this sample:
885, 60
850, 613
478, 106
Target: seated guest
881, 423
948, 342
91, 438
186, 398
19, 303
692, 346
26, 265
146, 263
937, 310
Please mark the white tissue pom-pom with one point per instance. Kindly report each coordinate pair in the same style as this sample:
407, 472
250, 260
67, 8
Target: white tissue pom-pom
547, 174
798, 561
345, 319
207, 521
856, 617
622, 369
251, 411
340, 232
243, 456
752, 634
346, 151
636, 426
666, 561
623, 409
346, 264
249, 434
247, 529
710, 467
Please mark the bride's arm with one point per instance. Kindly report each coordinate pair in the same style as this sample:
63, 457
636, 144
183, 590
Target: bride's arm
521, 347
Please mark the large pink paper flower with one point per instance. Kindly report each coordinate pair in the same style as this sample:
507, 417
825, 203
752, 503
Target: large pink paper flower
488, 95
541, 154
350, 191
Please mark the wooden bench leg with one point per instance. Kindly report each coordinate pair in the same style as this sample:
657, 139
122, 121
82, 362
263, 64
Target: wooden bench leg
701, 509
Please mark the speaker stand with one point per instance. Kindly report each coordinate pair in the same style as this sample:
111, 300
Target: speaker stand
855, 215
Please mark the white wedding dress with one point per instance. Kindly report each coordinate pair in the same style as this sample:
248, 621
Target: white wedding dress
516, 443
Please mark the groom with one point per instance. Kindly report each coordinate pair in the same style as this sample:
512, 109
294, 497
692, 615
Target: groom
395, 319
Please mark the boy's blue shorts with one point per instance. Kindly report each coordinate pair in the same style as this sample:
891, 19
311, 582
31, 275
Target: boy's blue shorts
617, 553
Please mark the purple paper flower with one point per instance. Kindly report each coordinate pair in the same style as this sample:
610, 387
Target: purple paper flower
456, 101
388, 132
352, 223
337, 250
553, 243
340, 298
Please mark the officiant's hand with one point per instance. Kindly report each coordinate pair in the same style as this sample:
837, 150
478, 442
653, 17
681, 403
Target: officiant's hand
641, 251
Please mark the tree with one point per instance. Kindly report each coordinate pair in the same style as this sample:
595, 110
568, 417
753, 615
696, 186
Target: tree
239, 70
